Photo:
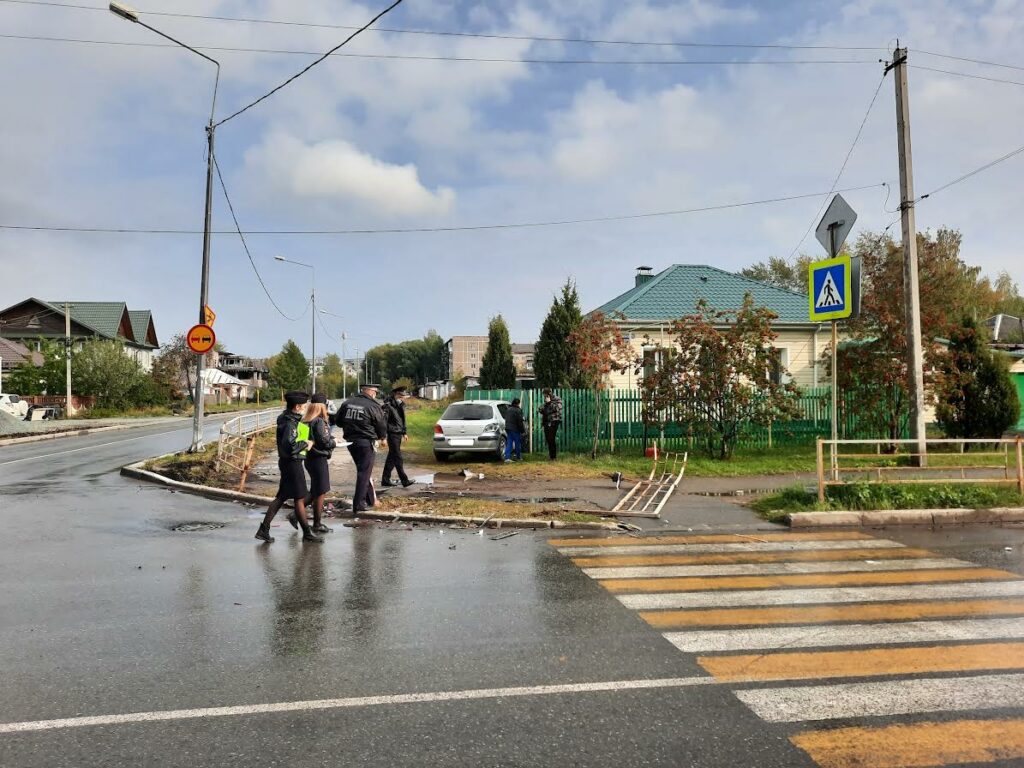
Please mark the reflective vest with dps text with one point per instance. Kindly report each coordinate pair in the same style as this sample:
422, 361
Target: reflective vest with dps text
302, 435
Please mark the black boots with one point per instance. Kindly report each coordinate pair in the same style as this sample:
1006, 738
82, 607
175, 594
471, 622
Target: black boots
263, 533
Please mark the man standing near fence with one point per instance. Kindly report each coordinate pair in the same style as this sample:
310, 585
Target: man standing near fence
551, 418
515, 428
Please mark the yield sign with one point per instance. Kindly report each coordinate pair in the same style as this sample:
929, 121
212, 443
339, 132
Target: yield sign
835, 225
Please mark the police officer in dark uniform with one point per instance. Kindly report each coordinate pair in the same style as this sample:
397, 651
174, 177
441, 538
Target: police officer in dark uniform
394, 409
290, 452
363, 423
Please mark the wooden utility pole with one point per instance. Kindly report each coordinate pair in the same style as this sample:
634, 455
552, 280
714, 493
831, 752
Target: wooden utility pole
911, 287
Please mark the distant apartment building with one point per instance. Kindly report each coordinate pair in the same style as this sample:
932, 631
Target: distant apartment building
465, 356
251, 371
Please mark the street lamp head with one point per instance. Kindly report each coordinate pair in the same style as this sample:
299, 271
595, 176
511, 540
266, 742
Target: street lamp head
124, 11
279, 258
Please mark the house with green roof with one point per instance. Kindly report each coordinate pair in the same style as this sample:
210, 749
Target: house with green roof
33, 320
647, 310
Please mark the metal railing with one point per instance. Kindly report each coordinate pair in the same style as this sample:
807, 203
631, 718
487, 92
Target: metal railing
238, 438
954, 461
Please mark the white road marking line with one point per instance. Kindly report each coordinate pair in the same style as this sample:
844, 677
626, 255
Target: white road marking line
774, 638
724, 599
754, 546
758, 569
93, 447
894, 697
363, 701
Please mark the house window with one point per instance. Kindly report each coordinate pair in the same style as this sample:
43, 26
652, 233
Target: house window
654, 359
777, 372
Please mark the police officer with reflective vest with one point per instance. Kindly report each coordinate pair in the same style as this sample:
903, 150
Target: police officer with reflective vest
316, 428
291, 449
363, 423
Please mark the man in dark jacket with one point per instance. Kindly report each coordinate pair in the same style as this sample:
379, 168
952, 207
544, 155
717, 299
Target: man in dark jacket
363, 423
515, 428
290, 452
551, 418
394, 409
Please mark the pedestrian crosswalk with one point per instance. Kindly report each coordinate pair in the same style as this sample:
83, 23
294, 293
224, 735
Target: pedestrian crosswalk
873, 653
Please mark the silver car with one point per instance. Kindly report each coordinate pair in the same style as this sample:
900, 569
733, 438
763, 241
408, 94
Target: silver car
473, 426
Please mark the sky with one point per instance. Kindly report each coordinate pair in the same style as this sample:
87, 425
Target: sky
112, 136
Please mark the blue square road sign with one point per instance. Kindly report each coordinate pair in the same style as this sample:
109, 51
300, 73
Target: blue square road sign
830, 293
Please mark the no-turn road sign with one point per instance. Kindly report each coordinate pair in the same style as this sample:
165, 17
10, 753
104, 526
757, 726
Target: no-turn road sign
200, 339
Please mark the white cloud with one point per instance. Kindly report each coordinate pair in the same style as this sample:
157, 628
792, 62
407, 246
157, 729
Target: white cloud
643, 21
334, 171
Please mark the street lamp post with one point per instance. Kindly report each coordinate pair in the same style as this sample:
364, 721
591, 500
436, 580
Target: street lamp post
344, 372
312, 314
129, 14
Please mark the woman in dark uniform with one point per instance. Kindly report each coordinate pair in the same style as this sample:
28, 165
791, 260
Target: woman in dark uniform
290, 450
318, 425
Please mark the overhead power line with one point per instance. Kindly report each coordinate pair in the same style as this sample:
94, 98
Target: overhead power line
969, 174
964, 74
245, 245
971, 61
312, 64
483, 35
421, 230
413, 57
842, 168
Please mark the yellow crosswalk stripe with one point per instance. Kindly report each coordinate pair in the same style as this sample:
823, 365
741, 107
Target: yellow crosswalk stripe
820, 614
805, 555
917, 745
864, 663
709, 538
705, 583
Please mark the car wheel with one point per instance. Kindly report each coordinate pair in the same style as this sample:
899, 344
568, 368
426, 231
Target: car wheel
500, 452
441, 457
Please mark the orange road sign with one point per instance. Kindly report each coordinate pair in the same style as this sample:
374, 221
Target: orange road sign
209, 316
200, 339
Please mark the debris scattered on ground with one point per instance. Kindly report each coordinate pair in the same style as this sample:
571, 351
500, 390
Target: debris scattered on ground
452, 547
628, 527
508, 535
488, 519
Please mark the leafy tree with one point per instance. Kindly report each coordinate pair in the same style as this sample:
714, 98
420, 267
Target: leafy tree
289, 368
977, 397
102, 369
781, 273
723, 376
874, 363
600, 349
174, 369
48, 378
420, 360
497, 369
554, 360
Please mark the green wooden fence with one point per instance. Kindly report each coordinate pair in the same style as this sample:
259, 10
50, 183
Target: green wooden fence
622, 423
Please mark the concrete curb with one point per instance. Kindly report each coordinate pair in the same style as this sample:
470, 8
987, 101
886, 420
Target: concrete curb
896, 517
137, 472
62, 433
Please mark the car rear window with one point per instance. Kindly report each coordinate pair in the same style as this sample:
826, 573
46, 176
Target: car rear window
467, 412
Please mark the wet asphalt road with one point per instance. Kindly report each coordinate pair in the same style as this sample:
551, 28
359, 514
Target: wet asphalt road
105, 610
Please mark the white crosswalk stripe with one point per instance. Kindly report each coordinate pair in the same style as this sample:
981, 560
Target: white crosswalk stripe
720, 599
774, 638
767, 569
886, 698
752, 546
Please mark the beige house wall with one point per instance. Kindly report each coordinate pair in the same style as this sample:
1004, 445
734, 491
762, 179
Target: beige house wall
802, 347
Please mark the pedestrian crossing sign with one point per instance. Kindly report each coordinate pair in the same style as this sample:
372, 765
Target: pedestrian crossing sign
830, 288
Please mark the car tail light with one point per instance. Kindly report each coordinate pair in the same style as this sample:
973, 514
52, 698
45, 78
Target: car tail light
438, 430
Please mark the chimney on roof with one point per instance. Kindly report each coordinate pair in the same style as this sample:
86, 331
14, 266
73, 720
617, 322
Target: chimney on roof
643, 275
